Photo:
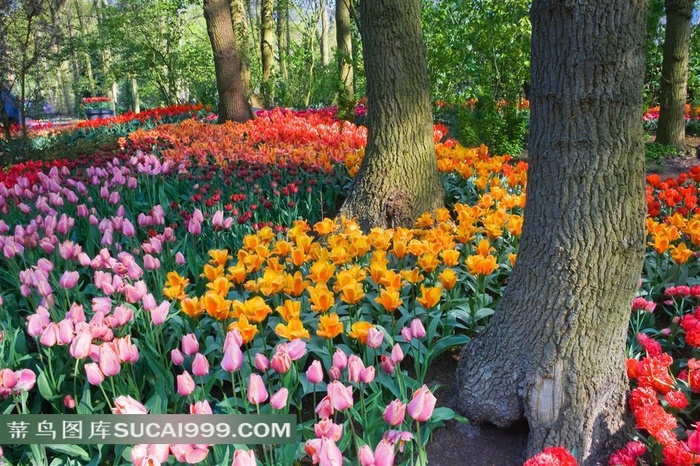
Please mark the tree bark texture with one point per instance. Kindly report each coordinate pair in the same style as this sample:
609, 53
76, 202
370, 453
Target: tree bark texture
344, 38
282, 35
674, 74
267, 40
398, 179
233, 104
553, 352
240, 28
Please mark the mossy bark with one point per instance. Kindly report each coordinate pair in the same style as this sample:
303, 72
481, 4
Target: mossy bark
233, 104
267, 56
344, 39
554, 352
398, 179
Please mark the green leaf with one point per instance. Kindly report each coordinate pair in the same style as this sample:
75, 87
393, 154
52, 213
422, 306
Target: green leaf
70, 450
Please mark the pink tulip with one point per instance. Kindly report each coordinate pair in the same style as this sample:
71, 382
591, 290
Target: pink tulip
128, 405
109, 361
257, 393
417, 329
383, 455
279, 399
69, 401
160, 313
179, 258
185, 384
334, 373
128, 229
281, 362
694, 442
45, 265
330, 454
68, 279
94, 374
233, 358
26, 379
395, 413
340, 360
197, 215
367, 375
314, 373
217, 219
375, 338
35, 325
422, 405
76, 313
387, 364
200, 365
177, 357
49, 337
80, 347
324, 409
406, 334
65, 332
103, 305
397, 354
355, 366
148, 302
122, 315
194, 227
190, 345
327, 428
340, 395
201, 407
244, 458
150, 262
296, 349
233, 337
261, 362
8, 379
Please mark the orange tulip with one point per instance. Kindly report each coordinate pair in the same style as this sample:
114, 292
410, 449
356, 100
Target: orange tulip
216, 306
191, 307
389, 299
293, 330
429, 296
296, 284
321, 271
359, 331
329, 326
247, 331
447, 278
289, 310
219, 257
480, 265
352, 293
321, 298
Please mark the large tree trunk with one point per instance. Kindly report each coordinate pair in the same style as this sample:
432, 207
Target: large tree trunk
398, 179
267, 39
282, 37
554, 350
674, 74
233, 104
240, 27
344, 39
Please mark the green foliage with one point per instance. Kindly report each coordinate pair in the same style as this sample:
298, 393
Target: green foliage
477, 47
502, 127
656, 153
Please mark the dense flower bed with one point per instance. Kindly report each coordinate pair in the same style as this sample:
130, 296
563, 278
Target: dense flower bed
177, 276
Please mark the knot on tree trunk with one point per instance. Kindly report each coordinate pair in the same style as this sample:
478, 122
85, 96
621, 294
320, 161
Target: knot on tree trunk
397, 211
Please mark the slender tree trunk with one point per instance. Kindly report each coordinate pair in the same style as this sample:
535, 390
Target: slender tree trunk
398, 179
554, 351
88, 62
344, 39
282, 35
135, 94
325, 54
240, 26
674, 74
233, 104
267, 39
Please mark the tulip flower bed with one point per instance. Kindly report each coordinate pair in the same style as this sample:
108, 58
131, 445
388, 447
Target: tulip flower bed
192, 271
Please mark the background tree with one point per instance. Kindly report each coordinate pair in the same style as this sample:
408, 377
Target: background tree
233, 103
267, 41
674, 74
344, 52
554, 350
398, 179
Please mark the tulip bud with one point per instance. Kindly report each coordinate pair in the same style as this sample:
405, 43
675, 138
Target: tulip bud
314, 373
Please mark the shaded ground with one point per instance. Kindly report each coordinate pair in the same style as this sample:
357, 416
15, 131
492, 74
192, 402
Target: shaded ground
471, 445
